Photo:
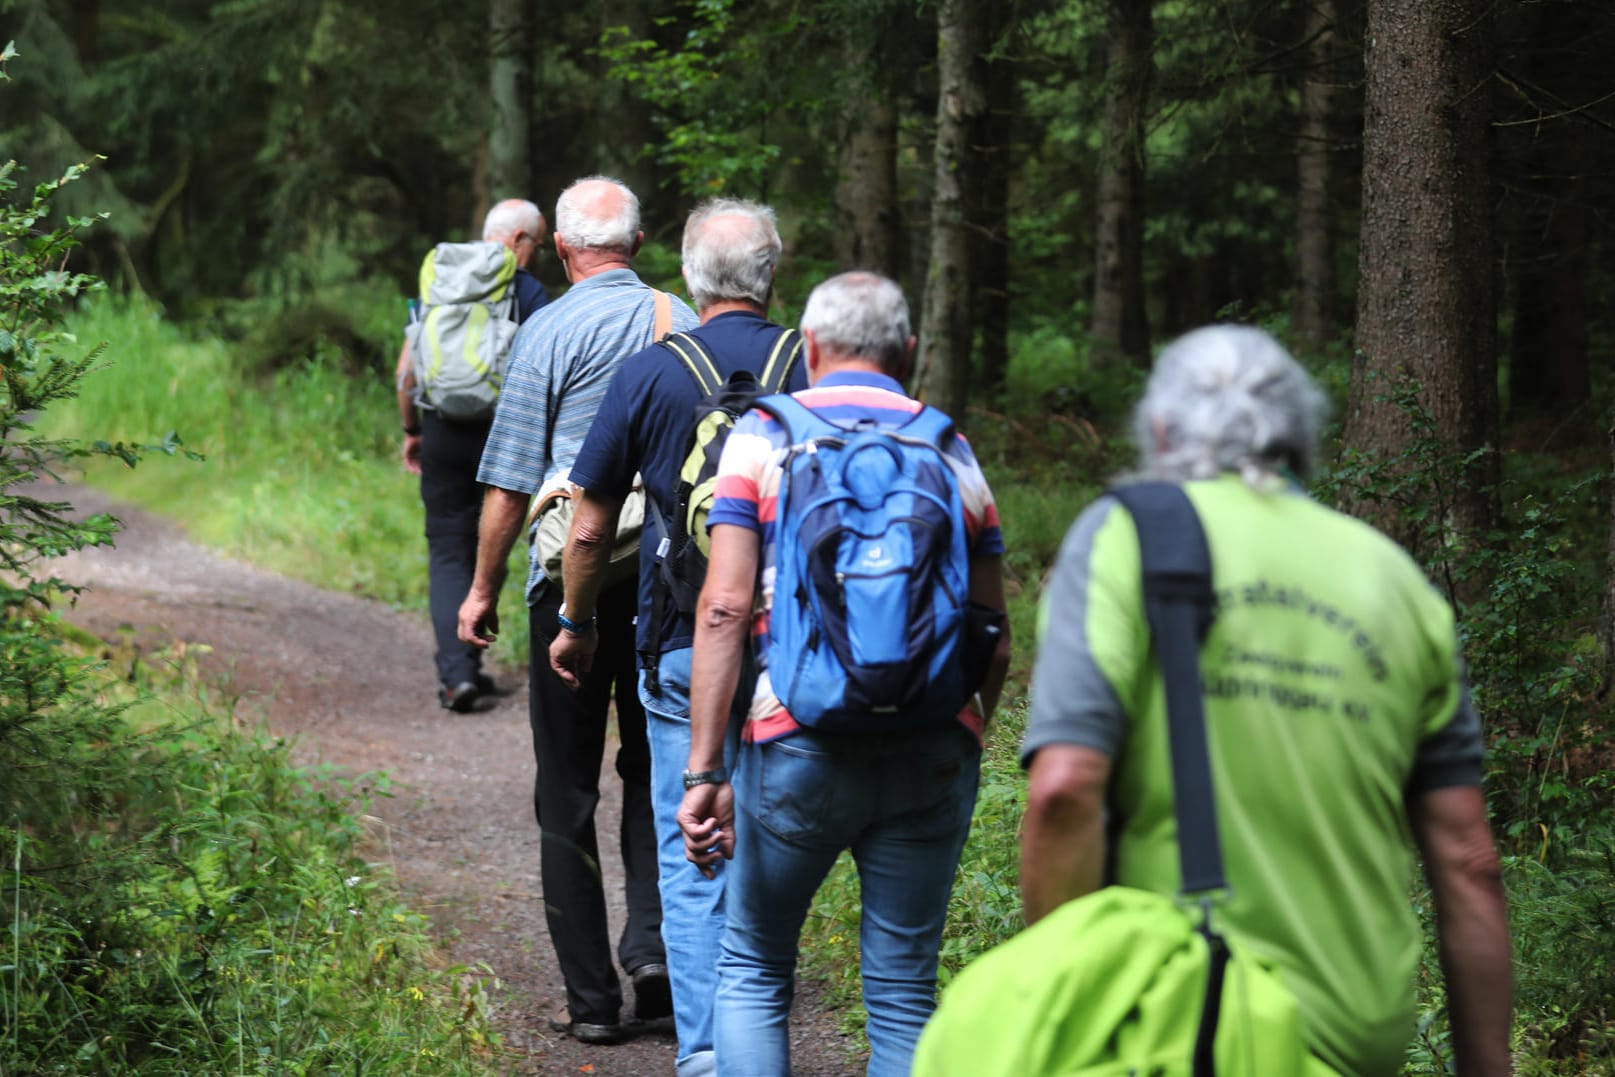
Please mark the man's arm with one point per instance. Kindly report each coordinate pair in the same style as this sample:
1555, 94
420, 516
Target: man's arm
722, 633
503, 513
583, 560
987, 589
1063, 831
1466, 880
407, 414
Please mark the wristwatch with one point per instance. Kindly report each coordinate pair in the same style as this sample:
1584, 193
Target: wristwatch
693, 778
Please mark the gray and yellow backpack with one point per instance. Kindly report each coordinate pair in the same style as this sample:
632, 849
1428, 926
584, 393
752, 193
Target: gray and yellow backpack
460, 342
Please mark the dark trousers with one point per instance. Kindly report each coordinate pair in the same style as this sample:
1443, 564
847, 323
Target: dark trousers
450, 453
569, 740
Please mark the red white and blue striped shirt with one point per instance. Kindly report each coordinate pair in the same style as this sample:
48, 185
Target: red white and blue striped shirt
748, 487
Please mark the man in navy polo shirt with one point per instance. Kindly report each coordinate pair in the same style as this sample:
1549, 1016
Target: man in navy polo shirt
731, 249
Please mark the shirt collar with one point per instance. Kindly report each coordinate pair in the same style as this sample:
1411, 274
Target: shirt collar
736, 316
866, 378
610, 276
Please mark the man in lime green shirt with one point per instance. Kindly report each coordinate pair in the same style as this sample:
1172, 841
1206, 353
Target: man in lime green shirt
1338, 723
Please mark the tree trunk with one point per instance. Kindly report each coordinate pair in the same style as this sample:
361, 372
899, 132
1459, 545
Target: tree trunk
1549, 374
1548, 162
866, 189
1119, 324
989, 210
1311, 322
1427, 298
86, 23
944, 361
1607, 628
510, 90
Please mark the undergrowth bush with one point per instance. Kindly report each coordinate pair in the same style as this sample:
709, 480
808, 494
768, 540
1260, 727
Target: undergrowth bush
1526, 608
179, 897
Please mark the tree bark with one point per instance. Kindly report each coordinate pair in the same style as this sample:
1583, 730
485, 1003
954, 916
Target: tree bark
1427, 296
1119, 324
994, 142
1548, 163
867, 214
510, 90
1311, 323
944, 361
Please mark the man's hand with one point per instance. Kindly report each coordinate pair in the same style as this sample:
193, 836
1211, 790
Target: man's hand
707, 818
479, 619
411, 453
571, 655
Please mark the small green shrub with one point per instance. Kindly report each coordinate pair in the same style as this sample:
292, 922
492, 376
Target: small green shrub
180, 898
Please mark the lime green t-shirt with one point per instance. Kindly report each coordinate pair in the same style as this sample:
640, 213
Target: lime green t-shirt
1333, 691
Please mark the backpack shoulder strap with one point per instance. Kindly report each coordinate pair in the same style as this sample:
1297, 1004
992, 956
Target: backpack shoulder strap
931, 426
776, 372
1180, 606
799, 421
695, 360
662, 314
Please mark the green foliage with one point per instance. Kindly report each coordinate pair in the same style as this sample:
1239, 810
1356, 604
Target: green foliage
194, 902
714, 139
1526, 604
179, 897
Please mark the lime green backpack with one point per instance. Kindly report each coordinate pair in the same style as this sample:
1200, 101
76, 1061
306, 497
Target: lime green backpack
1125, 981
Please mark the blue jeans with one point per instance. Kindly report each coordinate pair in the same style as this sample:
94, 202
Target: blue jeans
902, 803
692, 905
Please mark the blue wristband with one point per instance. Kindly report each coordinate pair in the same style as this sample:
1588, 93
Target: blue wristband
577, 628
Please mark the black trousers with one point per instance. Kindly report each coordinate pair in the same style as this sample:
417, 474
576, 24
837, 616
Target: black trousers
450, 453
569, 739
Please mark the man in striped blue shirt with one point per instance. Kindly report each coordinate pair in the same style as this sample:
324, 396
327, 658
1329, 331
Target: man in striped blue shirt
561, 363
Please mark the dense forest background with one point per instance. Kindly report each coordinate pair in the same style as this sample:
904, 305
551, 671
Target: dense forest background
1415, 195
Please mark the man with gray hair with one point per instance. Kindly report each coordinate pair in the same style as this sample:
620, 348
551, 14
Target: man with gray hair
731, 250
562, 361
444, 452
1335, 711
897, 793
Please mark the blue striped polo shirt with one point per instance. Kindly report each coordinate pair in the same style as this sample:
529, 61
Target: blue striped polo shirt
561, 363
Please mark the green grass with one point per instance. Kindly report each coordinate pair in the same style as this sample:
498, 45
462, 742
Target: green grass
194, 902
301, 472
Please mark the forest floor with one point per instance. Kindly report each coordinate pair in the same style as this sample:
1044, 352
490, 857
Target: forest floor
349, 682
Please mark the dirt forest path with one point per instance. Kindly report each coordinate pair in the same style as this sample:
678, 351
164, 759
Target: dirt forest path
350, 681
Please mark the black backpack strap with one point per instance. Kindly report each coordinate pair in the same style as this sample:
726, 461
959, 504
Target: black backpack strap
1180, 605
776, 372
696, 360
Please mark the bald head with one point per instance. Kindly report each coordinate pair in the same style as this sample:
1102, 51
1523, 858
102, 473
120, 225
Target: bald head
598, 213
731, 249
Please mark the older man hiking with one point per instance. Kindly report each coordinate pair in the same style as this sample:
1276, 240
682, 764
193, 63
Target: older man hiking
863, 524
562, 362
442, 443
1337, 721
731, 249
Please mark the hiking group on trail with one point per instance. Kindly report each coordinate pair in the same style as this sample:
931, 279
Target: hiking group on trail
784, 575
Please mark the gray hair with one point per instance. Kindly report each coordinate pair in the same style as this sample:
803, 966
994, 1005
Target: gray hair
589, 217
860, 314
1228, 398
731, 248
511, 216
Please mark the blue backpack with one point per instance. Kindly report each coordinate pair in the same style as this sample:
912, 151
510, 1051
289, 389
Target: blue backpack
872, 574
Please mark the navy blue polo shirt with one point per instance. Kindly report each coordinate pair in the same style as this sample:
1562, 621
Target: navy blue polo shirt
643, 426
530, 295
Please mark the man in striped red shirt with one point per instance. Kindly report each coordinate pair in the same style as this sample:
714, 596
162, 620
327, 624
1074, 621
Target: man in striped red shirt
900, 801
